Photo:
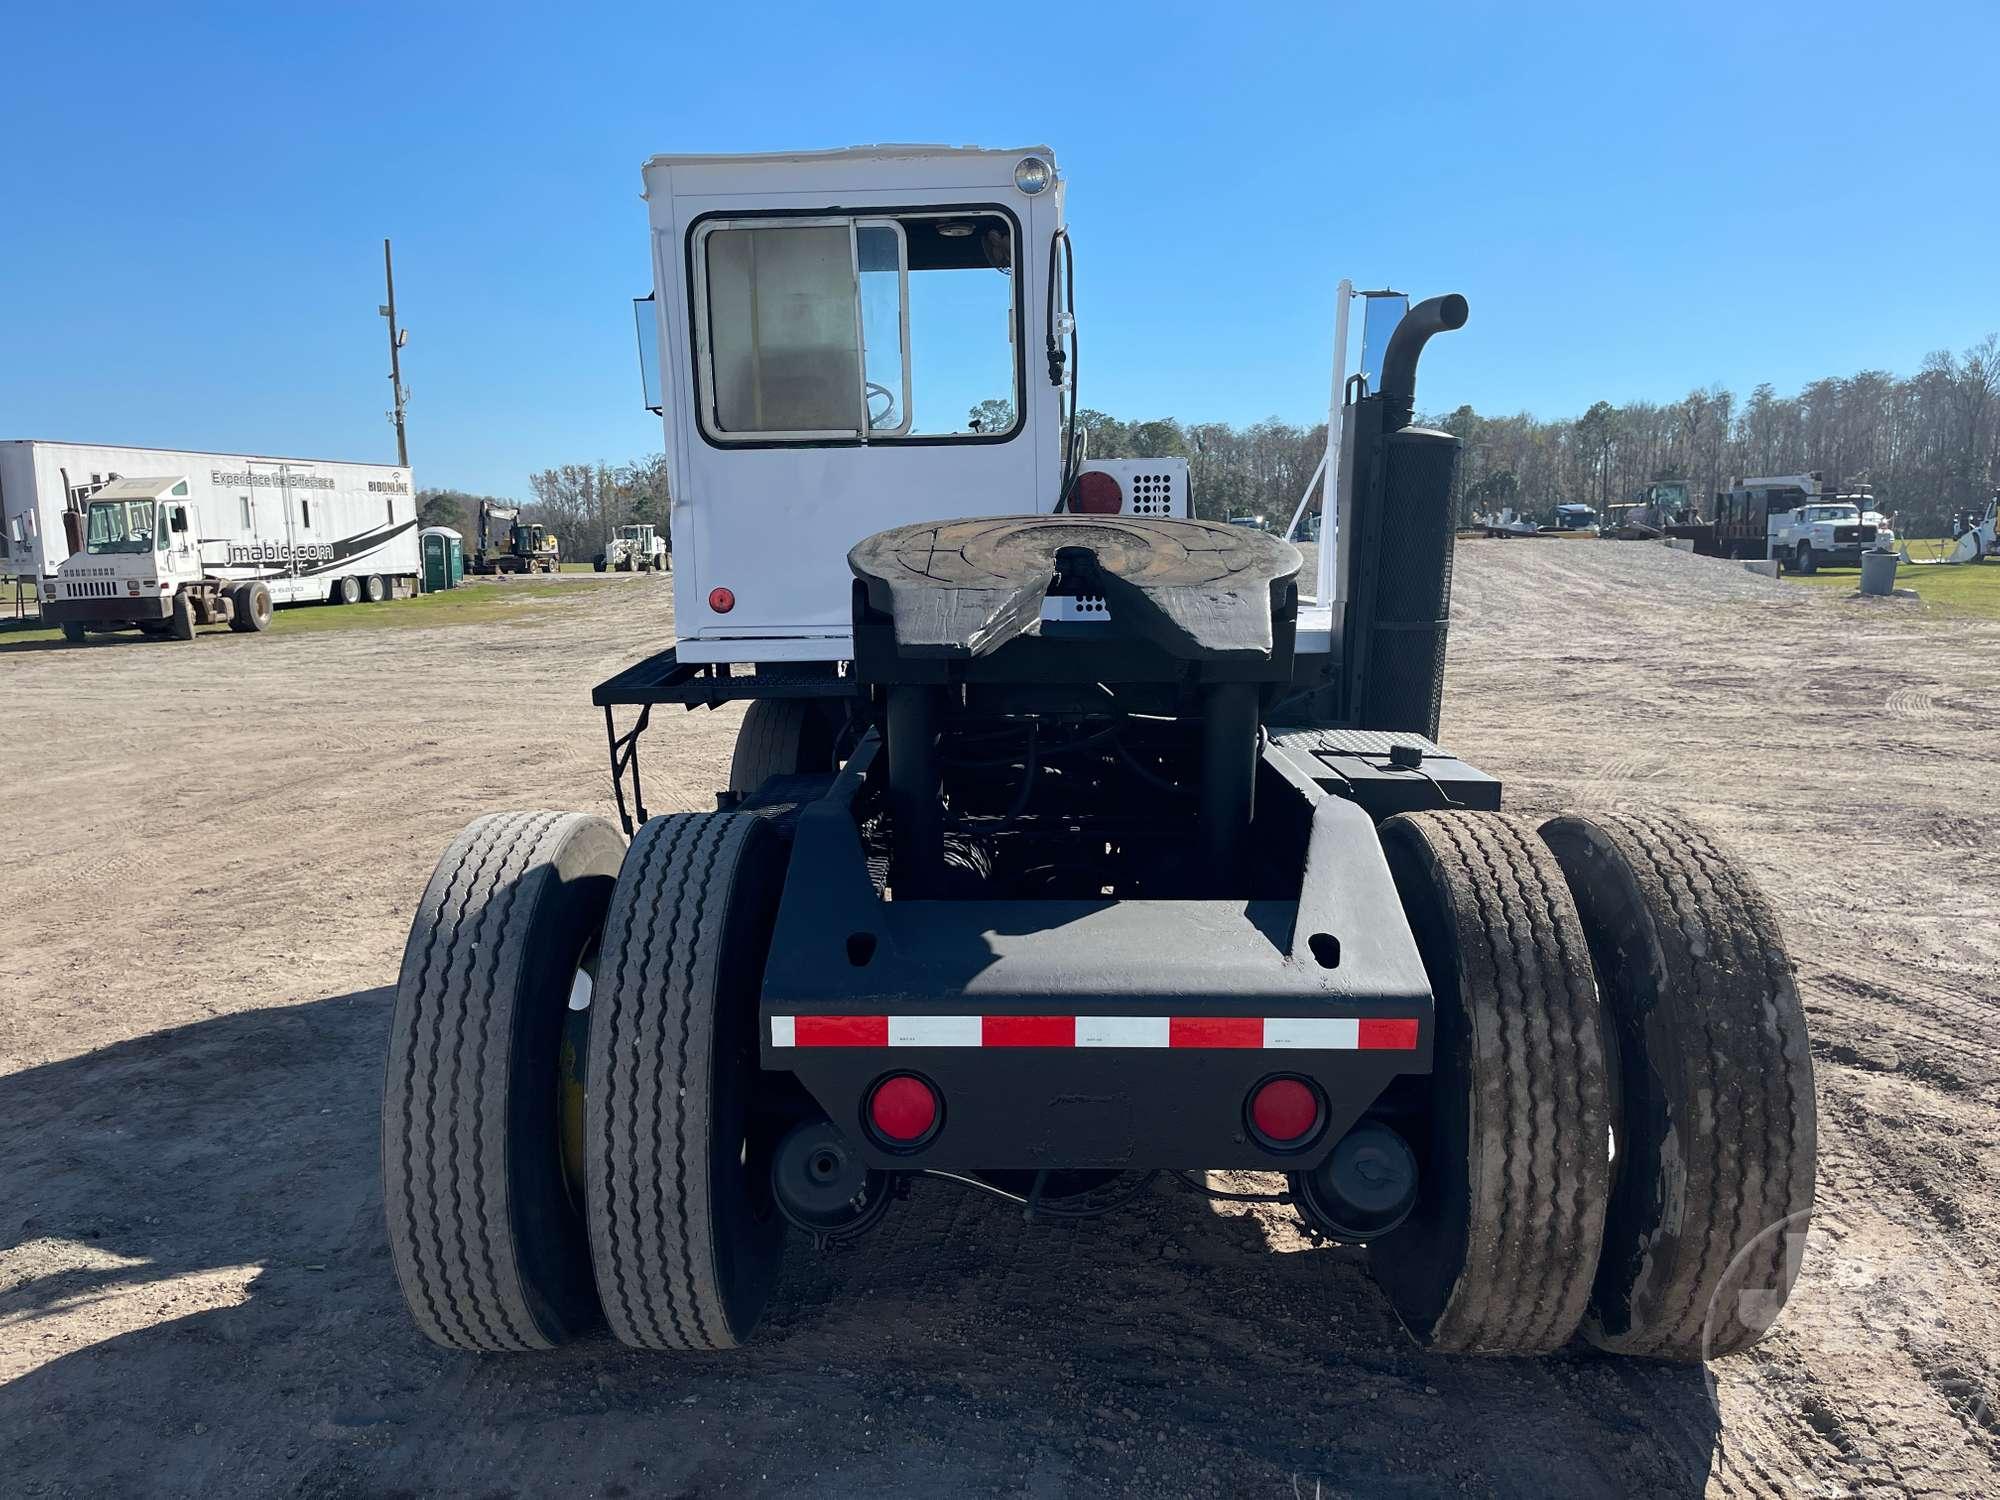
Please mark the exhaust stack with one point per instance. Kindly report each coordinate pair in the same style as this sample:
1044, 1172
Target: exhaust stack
1396, 486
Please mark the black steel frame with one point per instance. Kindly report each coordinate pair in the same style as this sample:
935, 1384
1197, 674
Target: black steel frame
663, 678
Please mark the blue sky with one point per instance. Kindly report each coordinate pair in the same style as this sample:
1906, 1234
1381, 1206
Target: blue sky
1636, 200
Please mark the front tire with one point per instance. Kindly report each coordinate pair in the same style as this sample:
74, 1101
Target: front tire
779, 737
1808, 564
487, 1244
74, 633
684, 1234
1498, 1256
180, 618
1717, 1134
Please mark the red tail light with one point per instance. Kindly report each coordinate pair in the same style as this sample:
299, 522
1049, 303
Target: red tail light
1285, 1111
1096, 493
722, 601
903, 1109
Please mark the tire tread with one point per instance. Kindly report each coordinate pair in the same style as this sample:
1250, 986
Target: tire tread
444, 1102
1725, 982
1537, 1182
652, 1231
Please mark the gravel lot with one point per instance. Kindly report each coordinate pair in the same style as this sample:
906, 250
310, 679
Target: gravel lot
212, 854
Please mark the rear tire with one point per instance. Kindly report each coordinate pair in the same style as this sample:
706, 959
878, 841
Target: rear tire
250, 608
779, 737
684, 1234
1498, 1256
180, 618
488, 1247
1718, 1134
372, 589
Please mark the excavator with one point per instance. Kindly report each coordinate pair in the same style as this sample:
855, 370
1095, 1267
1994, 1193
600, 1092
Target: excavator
507, 544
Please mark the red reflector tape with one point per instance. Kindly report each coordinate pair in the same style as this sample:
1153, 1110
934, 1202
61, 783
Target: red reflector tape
1388, 1036
843, 1031
1216, 1031
1267, 1033
1027, 1031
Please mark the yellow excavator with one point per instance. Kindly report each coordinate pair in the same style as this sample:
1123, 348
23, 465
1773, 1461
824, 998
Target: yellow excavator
507, 544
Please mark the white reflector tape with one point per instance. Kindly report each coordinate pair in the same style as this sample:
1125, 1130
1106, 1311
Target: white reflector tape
934, 1031
1317, 1032
1122, 1031
784, 1031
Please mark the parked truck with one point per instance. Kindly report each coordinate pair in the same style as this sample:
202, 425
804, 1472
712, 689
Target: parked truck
507, 544
46, 488
164, 553
1069, 848
1793, 518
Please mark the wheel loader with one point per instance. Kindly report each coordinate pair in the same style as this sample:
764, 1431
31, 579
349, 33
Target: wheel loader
1074, 849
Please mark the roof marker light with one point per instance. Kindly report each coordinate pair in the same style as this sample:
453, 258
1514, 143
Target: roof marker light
1032, 175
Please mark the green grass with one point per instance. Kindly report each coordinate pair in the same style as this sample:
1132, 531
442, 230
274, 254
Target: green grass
1973, 589
514, 601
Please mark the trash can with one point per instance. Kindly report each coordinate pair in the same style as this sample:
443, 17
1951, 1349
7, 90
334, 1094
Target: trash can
444, 558
1878, 572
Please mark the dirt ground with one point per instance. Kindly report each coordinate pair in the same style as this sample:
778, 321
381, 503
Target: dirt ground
210, 855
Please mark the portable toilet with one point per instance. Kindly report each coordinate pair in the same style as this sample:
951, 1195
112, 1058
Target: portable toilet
444, 558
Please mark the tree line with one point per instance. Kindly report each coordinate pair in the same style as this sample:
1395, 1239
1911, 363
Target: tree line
1929, 444
581, 504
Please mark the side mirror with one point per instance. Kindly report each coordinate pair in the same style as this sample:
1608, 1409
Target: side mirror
647, 324
180, 518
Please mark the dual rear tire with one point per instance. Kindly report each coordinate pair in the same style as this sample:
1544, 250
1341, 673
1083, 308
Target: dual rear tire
1620, 1130
540, 936
1618, 1138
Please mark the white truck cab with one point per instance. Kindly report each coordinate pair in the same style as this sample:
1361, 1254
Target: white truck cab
146, 564
850, 341
1804, 526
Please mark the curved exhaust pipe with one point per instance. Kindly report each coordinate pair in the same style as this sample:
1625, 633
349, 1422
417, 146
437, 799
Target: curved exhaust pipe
1434, 315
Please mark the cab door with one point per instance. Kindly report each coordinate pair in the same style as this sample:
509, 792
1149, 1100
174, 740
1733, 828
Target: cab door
177, 538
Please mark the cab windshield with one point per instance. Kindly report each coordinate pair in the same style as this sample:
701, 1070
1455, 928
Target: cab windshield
1833, 513
120, 526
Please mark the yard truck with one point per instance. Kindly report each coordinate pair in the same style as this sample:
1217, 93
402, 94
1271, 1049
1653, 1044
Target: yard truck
46, 489
162, 554
1071, 847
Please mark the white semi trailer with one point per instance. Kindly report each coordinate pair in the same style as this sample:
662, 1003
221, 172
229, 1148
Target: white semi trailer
218, 543
316, 506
